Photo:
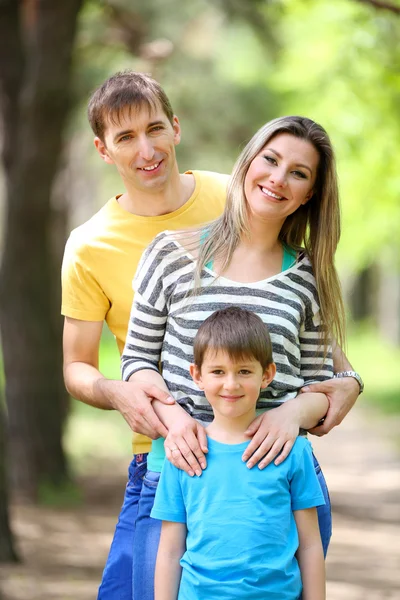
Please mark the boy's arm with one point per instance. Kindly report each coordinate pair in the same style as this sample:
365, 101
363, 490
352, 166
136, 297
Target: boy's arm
168, 569
310, 554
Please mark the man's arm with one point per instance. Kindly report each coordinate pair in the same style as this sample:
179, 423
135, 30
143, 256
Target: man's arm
342, 393
168, 569
83, 380
310, 554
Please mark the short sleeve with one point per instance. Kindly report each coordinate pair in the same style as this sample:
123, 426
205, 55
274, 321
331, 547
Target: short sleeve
169, 504
304, 485
82, 296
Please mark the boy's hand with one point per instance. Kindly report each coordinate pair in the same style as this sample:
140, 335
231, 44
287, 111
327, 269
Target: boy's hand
186, 444
274, 433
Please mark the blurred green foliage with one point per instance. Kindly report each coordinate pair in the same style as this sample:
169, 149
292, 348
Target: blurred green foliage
379, 364
230, 66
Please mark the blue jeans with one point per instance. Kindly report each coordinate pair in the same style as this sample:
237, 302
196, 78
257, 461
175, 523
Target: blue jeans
147, 537
324, 511
117, 575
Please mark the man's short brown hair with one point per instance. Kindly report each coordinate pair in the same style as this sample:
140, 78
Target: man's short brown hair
238, 332
126, 89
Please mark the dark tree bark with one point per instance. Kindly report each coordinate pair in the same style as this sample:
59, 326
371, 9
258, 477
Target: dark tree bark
34, 79
380, 5
7, 551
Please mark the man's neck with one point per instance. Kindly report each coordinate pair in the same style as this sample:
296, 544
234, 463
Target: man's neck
230, 431
159, 202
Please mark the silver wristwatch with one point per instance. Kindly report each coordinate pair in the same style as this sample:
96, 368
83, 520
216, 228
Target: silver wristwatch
355, 376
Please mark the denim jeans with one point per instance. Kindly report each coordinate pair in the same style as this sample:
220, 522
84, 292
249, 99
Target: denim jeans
324, 511
116, 582
147, 537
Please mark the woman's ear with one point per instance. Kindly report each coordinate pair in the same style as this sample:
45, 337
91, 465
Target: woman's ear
308, 197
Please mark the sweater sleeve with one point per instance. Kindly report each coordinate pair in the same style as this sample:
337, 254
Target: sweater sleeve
149, 312
316, 361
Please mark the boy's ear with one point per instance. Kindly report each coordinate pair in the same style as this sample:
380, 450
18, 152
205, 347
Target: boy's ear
268, 375
196, 375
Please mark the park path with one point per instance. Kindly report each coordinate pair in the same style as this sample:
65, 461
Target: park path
361, 462
64, 550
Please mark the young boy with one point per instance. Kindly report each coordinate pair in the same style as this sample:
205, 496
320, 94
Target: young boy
236, 532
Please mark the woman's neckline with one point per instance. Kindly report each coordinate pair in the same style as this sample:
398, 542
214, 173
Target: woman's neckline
233, 281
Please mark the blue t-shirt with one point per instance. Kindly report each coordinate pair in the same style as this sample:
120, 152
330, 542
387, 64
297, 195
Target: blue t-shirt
241, 533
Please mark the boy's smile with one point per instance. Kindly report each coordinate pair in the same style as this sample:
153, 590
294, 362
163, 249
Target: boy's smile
232, 386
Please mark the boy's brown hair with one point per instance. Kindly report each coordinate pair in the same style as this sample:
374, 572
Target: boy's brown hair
126, 89
238, 332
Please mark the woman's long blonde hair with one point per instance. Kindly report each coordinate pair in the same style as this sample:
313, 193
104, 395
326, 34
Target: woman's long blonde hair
314, 227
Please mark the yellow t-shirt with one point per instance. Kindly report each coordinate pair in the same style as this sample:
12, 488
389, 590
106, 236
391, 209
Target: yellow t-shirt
101, 257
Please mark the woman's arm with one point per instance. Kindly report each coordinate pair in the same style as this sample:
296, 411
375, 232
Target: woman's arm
275, 431
142, 353
168, 569
310, 554
342, 393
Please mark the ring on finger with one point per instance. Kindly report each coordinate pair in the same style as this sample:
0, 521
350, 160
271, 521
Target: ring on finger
174, 449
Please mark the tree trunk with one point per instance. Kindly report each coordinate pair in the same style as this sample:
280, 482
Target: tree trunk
7, 551
34, 106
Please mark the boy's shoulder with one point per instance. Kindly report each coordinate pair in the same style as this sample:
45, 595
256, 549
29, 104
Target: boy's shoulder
301, 446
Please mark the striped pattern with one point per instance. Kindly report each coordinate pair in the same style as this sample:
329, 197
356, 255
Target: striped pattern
165, 319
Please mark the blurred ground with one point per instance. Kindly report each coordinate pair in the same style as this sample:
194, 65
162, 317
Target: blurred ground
64, 550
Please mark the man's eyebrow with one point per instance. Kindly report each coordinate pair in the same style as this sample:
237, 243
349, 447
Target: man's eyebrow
297, 164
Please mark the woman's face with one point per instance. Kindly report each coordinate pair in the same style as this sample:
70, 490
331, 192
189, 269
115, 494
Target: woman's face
281, 177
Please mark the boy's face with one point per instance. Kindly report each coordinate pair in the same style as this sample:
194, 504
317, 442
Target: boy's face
232, 387
142, 147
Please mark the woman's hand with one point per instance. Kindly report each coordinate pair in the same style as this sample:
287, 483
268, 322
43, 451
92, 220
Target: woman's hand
186, 444
274, 433
342, 394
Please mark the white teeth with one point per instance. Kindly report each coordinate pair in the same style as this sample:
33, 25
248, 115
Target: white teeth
151, 168
265, 191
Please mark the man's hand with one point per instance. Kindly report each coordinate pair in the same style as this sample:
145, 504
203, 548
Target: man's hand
186, 444
342, 393
133, 399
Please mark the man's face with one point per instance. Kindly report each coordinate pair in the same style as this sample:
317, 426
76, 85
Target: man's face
141, 144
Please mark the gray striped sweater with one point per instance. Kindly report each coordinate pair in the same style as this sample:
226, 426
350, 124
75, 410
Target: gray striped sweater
165, 319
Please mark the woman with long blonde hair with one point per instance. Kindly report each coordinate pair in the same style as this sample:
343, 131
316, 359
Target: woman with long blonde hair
272, 252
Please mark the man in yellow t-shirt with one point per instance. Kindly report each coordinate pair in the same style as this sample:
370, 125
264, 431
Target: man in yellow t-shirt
135, 130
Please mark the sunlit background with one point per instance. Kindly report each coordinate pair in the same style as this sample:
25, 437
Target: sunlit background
229, 66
